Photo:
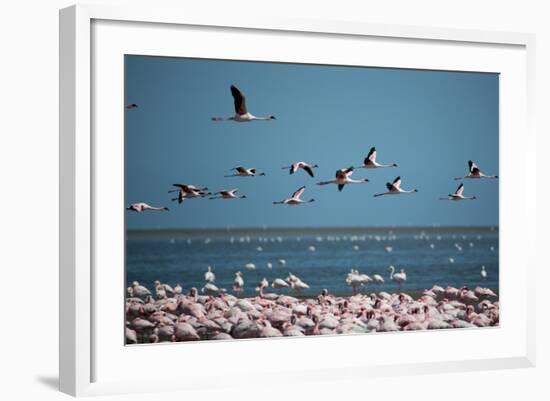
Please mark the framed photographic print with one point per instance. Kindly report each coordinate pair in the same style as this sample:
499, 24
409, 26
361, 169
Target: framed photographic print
337, 192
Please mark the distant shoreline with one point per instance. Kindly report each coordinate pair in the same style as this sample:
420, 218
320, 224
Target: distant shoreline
301, 231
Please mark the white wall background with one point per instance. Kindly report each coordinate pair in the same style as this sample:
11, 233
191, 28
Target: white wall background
29, 194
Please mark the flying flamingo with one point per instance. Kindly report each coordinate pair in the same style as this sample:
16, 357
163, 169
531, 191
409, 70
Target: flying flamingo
295, 198
458, 195
142, 207
399, 278
182, 195
227, 194
343, 178
190, 191
308, 168
370, 161
241, 113
475, 173
395, 188
244, 172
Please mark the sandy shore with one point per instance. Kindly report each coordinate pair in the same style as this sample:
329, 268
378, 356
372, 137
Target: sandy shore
192, 317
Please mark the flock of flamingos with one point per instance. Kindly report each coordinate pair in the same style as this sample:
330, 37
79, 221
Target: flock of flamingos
172, 315
341, 179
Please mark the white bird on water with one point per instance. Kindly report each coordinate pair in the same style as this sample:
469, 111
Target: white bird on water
483, 272
211, 289
209, 276
295, 198
250, 266
394, 188
298, 285
241, 112
458, 195
378, 279
370, 161
342, 178
308, 168
143, 207
399, 278
139, 290
475, 173
238, 282
279, 283
353, 280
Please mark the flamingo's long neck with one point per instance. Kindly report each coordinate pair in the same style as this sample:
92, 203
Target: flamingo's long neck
392, 270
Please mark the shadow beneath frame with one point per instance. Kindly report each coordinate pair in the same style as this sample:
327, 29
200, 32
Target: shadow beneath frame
51, 382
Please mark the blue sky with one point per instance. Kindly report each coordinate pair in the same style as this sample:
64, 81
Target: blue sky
429, 122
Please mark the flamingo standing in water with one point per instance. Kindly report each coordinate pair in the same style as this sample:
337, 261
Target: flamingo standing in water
241, 113
370, 161
143, 207
238, 282
295, 198
279, 283
241, 171
458, 195
483, 272
475, 173
261, 285
343, 178
399, 278
395, 188
209, 276
308, 168
227, 194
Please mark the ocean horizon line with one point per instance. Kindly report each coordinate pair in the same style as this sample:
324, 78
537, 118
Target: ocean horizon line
218, 231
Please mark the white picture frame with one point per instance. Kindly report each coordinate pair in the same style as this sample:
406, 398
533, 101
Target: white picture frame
80, 216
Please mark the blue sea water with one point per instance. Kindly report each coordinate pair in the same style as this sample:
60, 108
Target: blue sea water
424, 255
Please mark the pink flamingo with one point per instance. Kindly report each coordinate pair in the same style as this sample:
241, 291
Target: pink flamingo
143, 207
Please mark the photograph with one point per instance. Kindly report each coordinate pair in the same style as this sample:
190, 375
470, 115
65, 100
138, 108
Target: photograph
270, 199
